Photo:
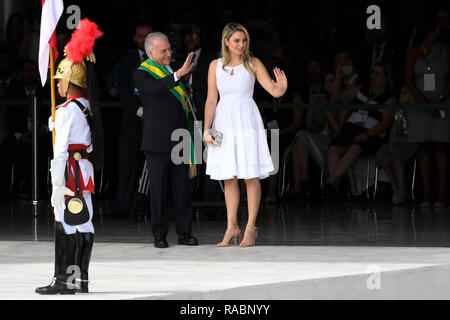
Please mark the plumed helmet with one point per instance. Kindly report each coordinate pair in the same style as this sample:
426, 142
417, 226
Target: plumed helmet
71, 72
72, 69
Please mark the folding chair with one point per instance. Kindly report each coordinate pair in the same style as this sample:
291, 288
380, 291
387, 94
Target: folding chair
283, 182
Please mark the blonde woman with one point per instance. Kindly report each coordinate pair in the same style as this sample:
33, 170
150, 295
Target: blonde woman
244, 153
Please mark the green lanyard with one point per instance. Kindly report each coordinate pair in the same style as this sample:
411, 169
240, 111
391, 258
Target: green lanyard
428, 58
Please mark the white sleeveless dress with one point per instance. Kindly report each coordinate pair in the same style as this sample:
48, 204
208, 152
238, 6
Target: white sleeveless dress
244, 152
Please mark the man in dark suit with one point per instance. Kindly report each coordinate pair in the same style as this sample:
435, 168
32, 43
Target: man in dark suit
383, 47
198, 77
131, 123
19, 120
197, 81
4, 160
163, 114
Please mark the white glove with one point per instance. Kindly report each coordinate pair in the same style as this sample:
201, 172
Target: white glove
140, 112
58, 199
59, 190
51, 124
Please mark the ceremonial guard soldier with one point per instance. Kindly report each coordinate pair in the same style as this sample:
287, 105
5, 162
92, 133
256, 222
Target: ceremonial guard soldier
78, 147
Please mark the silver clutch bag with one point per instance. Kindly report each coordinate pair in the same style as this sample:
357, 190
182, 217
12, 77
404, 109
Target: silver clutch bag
401, 118
217, 136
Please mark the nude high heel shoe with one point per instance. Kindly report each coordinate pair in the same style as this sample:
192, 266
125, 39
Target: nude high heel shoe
235, 236
251, 243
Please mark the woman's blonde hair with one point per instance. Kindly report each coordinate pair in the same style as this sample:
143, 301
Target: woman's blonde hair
246, 56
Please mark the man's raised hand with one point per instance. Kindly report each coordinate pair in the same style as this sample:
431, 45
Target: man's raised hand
187, 66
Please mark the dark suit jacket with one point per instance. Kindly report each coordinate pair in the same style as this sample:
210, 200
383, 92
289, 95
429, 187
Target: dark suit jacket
200, 72
17, 115
131, 103
163, 112
200, 80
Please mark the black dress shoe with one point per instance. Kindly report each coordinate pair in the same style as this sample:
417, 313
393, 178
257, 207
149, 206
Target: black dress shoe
58, 286
187, 240
161, 242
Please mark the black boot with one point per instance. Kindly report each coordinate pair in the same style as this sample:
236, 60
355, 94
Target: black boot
85, 242
59, 285
64, 257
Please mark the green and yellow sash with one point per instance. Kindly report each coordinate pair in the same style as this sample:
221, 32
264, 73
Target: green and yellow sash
158, 72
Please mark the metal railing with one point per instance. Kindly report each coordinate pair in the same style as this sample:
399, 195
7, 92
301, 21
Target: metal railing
267, 105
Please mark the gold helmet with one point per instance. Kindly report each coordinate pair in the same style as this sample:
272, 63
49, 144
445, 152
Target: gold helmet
72, 69
75, 73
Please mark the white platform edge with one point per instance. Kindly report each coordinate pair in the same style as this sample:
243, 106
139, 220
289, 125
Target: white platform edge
425, 283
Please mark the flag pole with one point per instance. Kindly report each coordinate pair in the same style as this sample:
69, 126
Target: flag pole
52, 86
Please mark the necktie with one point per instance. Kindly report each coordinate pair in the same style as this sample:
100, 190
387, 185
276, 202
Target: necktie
195, 63
377, 53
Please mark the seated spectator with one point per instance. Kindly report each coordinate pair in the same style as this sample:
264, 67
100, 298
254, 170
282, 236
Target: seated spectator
364, 131
397, 151
320, 128
346, 75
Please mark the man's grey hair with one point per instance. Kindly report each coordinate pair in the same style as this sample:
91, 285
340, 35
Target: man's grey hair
152, 36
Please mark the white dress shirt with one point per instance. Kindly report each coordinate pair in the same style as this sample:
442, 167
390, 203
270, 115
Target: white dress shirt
30, 92
375, 58
174, 73
6, 81
141, 55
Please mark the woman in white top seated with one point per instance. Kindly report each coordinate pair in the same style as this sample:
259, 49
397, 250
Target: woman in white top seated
364, 131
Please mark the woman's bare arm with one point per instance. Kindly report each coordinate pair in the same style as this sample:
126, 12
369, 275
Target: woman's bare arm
211, 101
275, 88
333, 121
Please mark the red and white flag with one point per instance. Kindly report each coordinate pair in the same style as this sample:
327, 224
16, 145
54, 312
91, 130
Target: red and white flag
51, 12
